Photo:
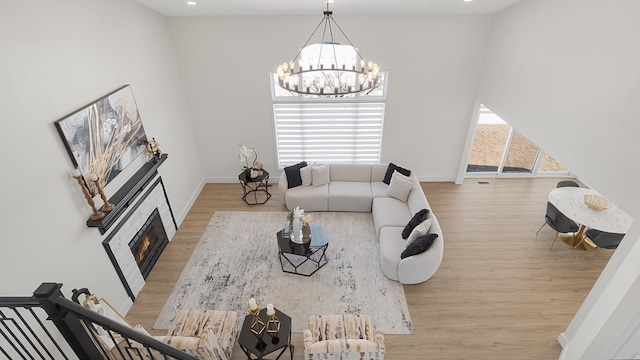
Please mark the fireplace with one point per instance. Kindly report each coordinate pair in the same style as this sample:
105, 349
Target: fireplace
148, 243
136, 241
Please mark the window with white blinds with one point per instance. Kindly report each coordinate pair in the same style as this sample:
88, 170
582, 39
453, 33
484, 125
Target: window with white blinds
328, 132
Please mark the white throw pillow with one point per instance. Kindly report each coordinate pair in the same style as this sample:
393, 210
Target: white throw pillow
420, 230
400, 186
305, 174
320, 175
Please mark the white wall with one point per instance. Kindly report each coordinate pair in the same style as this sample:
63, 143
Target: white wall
565, 74
434, 62
56, 57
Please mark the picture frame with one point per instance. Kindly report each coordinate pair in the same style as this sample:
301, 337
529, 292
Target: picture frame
104, 136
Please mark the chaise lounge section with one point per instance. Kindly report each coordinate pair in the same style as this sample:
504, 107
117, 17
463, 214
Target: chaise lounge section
391, 193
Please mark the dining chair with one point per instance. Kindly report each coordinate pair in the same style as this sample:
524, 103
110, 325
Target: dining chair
604, 240
558, 222
567, 183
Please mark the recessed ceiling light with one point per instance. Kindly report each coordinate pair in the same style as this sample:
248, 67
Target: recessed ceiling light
468, 0
195, 3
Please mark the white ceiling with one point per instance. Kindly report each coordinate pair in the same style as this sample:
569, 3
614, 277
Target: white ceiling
300, 7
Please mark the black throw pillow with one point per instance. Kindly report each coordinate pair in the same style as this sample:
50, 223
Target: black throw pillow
417, 218
293, 174
419, 245
391, 168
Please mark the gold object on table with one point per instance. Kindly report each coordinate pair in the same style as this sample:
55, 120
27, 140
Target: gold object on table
273, 325
257, 325
597, 202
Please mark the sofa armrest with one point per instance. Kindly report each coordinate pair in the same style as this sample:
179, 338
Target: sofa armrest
418, 268
180, 342
283, 186
378, 338
207, 343
308, 340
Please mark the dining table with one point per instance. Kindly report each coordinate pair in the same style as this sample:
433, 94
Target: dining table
573, 203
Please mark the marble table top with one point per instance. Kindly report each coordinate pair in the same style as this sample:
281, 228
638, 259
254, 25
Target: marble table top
570, 201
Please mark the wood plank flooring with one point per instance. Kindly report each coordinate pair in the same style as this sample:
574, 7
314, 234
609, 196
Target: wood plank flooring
500, 292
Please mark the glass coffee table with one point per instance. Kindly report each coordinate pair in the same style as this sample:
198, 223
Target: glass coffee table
259, 346
303, 259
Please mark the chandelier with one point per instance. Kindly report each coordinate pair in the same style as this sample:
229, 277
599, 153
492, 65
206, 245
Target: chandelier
328, 68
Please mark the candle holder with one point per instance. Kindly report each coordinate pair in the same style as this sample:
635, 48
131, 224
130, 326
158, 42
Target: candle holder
257, 325
107, 205
97, 215
273, 325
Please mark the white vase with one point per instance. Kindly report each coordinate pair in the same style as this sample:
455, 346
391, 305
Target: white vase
297, 236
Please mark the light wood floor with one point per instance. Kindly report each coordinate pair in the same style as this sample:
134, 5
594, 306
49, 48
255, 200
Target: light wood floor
500, 292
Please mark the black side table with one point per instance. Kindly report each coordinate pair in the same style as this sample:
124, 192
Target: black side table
257, 189
258, 346
300, 259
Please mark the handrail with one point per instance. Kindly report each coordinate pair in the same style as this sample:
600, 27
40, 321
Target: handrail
90, 335
116, 327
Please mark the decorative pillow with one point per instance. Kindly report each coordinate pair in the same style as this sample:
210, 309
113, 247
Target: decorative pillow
320, 175
419, 245
400, 186
293, 174
391, 168
417, 218
421, 229
305, 174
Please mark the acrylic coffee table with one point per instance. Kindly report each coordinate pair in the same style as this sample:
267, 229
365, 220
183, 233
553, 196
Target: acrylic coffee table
256, 347
303, 259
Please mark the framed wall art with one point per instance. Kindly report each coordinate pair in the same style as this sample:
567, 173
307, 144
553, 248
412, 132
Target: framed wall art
105, 136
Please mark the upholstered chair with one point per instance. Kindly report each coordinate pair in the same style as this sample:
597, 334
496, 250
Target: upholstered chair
343, 337
205, 334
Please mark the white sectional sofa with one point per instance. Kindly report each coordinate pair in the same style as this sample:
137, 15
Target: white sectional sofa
360, 188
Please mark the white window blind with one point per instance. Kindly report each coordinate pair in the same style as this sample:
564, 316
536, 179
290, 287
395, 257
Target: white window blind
336, 132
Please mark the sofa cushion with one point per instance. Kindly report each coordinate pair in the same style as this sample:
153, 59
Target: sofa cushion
400, 186
351, 172
378, 171
421, 229
334, 346
305, 175
350, 196
310, 198
391, 168
389, 212
293, 174
320, 175
417, 218
391, 247
419, 245
379, 189
417, 200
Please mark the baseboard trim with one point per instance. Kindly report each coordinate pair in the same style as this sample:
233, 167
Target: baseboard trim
190, 203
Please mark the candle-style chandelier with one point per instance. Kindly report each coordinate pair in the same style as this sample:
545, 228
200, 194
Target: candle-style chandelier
328, 68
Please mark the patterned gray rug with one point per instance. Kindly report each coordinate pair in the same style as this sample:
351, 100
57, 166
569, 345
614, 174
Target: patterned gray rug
237, 258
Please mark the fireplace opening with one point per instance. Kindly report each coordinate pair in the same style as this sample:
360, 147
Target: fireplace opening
148, 243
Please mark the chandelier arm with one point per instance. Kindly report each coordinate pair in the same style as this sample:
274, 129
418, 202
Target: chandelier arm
346, 37
324, 34
309, 39
333, 43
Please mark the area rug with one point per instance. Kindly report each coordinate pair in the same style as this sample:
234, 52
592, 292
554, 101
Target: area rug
237, 259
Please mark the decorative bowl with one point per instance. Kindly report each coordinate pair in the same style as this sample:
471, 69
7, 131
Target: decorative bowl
597, 202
